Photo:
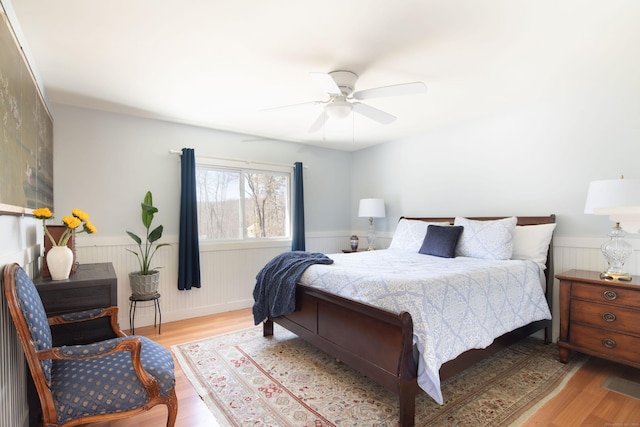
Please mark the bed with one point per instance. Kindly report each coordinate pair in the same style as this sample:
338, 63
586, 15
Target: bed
378, 341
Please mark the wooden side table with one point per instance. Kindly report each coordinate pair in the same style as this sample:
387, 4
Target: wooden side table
599, 317
91, 286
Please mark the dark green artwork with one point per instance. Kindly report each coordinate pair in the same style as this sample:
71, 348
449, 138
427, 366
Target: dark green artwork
26, 138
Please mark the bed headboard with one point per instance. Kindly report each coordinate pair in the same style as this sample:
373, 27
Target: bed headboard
522, 220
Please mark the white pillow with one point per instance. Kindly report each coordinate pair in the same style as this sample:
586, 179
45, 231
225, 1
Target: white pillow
410, 233
532, 242
486, 239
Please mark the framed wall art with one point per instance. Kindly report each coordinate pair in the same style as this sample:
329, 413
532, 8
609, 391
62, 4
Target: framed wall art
26, 137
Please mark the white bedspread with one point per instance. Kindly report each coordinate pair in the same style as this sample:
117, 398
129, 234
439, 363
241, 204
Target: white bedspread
456, 303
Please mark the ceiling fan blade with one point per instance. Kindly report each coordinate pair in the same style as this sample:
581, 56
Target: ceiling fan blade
373, 113
327, 83
320, 121
393, 90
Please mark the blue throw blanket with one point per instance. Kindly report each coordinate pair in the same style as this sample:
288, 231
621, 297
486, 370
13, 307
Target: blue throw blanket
275, 290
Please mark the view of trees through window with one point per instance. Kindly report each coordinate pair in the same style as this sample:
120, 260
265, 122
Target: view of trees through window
238, 204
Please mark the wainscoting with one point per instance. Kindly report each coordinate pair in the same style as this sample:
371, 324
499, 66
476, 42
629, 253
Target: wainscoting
229, 270
228, 273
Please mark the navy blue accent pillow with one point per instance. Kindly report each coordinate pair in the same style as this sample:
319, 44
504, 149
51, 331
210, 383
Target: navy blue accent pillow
441, 240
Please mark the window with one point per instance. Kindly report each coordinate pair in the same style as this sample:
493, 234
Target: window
237, 203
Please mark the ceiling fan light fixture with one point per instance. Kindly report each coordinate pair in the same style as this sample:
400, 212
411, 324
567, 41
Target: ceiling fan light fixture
338, 109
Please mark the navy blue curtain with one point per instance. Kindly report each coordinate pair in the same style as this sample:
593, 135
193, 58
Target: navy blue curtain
189, 247
297, 234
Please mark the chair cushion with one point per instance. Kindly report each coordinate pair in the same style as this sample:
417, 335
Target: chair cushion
35, 316
107, 384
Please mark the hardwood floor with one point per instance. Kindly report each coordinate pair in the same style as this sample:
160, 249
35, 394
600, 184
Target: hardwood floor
581, 403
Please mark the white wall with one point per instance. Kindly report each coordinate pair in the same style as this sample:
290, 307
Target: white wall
534, 160
105, 163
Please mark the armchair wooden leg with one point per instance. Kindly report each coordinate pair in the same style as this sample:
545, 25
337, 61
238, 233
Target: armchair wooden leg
172, 408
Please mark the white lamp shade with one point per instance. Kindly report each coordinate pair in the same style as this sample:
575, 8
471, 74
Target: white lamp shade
371, 208
617, 198
607, 196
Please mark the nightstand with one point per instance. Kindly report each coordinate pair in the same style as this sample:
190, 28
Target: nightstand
91, 286
599, 317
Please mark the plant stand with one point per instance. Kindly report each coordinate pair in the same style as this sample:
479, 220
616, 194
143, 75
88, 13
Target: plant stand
157, 313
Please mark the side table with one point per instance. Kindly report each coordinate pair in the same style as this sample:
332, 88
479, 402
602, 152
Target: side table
599, 317
133, 304
91, 286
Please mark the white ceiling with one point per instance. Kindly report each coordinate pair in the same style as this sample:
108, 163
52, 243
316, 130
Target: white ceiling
220, 63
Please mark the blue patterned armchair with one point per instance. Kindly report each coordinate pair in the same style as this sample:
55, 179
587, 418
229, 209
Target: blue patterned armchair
84, 383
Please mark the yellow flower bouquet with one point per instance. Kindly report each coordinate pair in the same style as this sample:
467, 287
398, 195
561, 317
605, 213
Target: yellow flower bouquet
72, 222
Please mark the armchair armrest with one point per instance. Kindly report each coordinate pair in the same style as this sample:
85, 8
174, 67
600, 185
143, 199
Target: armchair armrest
103, 349
87, 351
83, 316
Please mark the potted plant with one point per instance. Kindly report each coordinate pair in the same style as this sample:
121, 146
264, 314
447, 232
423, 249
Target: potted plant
145, 281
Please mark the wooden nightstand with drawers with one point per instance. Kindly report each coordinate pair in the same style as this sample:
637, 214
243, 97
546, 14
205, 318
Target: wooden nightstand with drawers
599, 317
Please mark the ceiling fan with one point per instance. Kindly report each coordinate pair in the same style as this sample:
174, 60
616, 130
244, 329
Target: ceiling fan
340, 85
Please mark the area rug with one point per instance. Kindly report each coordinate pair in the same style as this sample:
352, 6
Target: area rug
249, 380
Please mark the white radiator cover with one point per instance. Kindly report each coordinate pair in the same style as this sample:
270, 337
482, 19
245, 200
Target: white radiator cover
13, 366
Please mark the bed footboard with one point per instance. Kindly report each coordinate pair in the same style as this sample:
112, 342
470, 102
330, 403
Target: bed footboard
373, 341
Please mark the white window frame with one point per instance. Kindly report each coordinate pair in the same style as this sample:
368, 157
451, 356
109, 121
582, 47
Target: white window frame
243, 166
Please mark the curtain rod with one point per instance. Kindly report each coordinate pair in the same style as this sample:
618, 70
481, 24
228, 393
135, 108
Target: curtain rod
248, 162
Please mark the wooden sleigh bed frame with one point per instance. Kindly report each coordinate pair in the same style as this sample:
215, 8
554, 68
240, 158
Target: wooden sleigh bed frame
379, 343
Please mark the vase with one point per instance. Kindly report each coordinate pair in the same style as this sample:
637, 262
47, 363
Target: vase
354, 243
59, 261
56, 232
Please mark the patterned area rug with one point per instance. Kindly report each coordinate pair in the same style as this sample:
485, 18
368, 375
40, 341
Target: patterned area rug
246, 379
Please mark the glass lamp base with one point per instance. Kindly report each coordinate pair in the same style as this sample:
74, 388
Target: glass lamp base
616, 251
371, 236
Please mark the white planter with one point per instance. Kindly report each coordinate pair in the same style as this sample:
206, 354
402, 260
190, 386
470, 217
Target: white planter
144, 285
59, 262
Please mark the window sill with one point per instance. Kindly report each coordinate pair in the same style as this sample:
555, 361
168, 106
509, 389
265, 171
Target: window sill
243, 245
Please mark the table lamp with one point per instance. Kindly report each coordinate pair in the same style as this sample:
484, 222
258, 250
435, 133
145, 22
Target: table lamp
620, 200
371, 208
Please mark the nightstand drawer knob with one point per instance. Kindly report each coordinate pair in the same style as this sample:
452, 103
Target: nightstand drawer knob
609, 317
610, 295
609, 343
